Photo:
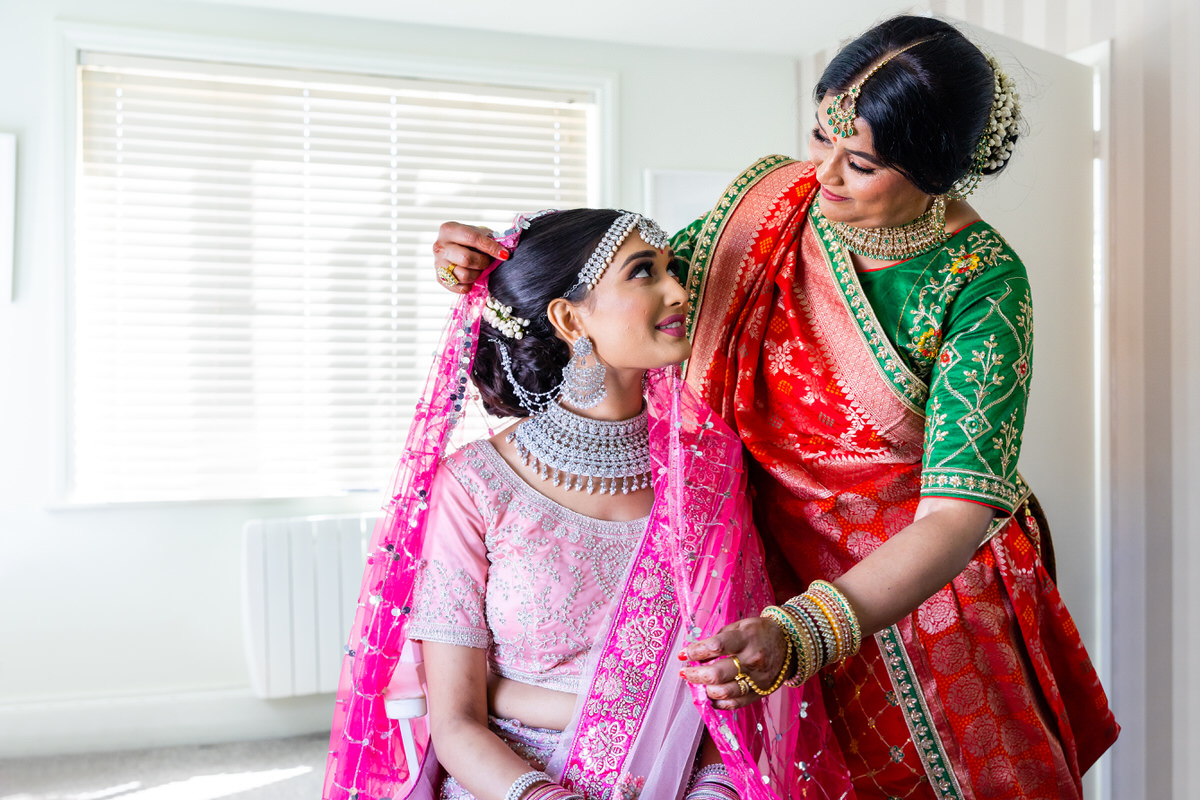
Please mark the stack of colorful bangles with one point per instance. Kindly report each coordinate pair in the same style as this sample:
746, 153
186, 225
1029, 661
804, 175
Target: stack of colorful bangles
820, 628
711, 783
537, 785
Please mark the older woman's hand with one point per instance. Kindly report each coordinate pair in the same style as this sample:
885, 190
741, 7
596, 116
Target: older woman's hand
466, 251
759, 646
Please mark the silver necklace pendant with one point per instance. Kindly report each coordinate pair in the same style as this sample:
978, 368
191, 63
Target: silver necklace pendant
564, 447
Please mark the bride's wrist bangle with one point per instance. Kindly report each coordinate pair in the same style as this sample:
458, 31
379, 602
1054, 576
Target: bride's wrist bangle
524, 782
711, 783
551, 791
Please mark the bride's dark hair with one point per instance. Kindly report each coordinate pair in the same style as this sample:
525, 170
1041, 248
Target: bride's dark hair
544, 265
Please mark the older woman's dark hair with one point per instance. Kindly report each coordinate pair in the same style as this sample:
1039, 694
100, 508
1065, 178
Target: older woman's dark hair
928, 106
544, 265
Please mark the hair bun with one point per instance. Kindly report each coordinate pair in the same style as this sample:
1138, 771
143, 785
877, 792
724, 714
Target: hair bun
1002, 129
995, 145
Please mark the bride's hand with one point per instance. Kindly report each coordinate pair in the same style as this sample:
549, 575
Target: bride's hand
758, 646
465, 251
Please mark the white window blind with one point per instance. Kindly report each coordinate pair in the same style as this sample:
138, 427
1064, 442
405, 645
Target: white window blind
254, 307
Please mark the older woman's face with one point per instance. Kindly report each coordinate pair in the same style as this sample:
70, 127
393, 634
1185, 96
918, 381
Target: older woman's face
855, 187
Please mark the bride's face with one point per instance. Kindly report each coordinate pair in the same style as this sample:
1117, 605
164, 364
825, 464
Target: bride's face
635, 316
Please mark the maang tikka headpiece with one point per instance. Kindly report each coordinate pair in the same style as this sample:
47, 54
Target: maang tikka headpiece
844, 107
557, 443
617, 233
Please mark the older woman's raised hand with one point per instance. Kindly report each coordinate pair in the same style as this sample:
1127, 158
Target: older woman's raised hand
758, 646
464, 251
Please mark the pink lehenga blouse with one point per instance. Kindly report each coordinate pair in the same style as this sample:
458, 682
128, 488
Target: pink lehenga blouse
506, 569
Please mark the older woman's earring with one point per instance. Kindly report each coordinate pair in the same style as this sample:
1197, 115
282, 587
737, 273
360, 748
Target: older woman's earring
583, 386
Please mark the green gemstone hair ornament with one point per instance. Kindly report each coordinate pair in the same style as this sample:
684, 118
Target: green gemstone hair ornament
843, 109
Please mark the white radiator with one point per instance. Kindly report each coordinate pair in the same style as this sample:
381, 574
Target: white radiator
300, 584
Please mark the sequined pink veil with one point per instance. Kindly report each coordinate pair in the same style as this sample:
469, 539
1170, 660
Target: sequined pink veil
366, 759
784, 746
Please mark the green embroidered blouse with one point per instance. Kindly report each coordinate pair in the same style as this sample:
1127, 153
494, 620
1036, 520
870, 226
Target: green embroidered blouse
961, 318
961, 321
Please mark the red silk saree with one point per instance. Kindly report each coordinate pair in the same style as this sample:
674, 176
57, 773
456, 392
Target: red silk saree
986, 690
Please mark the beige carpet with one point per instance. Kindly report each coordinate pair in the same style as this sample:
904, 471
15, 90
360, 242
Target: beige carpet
276, 769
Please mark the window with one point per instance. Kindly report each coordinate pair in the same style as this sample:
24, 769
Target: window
254, 310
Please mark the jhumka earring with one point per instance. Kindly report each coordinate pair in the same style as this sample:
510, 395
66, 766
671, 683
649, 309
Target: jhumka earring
583, 386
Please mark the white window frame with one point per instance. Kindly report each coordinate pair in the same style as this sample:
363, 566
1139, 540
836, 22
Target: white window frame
74, 39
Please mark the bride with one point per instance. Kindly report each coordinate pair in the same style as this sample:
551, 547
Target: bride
548, 576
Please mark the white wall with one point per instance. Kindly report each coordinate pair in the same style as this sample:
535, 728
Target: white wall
120, 627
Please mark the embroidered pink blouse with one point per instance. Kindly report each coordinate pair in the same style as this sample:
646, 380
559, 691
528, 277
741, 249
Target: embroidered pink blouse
506, 569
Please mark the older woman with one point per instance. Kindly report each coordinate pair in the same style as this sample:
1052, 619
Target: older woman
870, 339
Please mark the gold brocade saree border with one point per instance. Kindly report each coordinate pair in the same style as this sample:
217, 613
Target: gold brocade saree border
921, 724
714, 227
909, 388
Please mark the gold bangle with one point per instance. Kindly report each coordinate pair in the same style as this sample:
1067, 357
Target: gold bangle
787, 660
844, 603
810, 628
839, 642
783, 620
837, 616
824, 628
808, 657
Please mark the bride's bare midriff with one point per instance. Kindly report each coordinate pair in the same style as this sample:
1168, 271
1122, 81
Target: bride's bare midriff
535, 706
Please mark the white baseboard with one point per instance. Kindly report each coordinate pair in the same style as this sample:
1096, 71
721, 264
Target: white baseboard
85, 725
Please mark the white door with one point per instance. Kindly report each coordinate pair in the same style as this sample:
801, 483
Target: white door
1042, 204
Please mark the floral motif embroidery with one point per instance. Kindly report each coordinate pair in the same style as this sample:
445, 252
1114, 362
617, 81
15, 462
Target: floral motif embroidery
982, 487
966, 327
928, 344
942, 285
603, 746
643, 639
633, 661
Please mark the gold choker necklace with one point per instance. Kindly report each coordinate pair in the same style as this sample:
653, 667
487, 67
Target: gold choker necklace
895, 244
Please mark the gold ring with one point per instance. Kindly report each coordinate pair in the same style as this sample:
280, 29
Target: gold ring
744, 685
446, 276
737, 664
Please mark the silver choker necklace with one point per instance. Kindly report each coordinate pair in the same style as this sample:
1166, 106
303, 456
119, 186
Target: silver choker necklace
560, 444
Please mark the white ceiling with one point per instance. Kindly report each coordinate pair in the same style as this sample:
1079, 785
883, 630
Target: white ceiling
785, 27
